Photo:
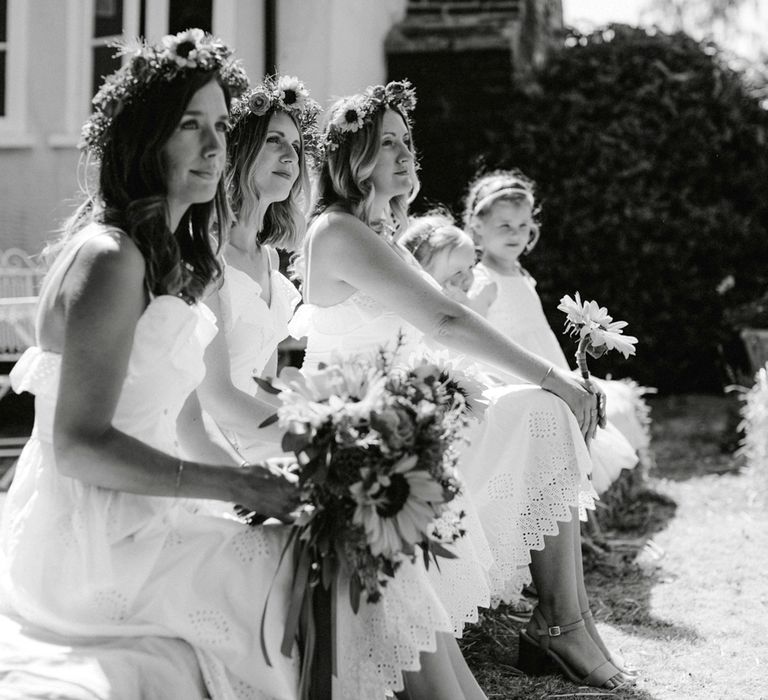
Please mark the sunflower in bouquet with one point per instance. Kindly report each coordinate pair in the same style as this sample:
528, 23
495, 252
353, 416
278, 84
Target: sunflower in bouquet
376, 452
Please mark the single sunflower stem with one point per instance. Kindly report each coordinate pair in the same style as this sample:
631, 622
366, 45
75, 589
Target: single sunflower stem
581, 361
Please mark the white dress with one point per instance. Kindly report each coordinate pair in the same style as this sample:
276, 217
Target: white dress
517, 313
527, 463
253, 330
90, 562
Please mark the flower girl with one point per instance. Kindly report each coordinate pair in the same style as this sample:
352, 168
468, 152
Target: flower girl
500, 214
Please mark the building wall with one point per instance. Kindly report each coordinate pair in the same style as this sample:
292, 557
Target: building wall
335, 46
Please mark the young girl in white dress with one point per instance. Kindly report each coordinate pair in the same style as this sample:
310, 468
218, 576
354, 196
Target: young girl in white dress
500, 215
267, 180
448, 254
526, 470
108, 529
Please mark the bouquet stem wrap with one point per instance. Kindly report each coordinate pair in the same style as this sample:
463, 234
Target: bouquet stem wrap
581, 361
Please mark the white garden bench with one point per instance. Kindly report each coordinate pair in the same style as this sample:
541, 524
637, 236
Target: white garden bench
20, 279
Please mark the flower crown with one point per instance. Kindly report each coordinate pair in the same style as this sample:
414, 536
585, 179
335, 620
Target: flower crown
283, 92
288, 94
147, 64
352, 113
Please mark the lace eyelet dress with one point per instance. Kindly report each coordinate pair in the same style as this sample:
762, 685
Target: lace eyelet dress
525, 467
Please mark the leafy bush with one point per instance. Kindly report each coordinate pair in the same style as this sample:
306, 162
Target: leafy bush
651, 163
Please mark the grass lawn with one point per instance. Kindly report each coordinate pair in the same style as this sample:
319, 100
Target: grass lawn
683, 590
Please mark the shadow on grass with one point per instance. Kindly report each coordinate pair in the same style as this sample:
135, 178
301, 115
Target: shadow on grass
622, 570
620, 594
695, 435
490, 648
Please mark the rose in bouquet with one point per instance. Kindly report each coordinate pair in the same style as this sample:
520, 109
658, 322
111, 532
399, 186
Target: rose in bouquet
376, 451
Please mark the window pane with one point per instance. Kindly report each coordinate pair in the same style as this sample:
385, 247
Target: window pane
185, 14
3, 19
2, 83
108, 18
103, 64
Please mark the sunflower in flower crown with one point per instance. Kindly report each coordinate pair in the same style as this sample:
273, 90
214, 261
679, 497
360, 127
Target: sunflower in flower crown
147, 64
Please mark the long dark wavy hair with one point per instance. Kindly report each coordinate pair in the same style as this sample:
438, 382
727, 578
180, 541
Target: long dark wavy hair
284, 223
132, 193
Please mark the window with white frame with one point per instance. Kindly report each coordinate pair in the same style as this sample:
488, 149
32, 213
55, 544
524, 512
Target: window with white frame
3, 54
110, 20
13, 74
185, 14
95, 24
107, 28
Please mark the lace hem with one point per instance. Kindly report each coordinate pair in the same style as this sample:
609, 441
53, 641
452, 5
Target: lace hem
386, 638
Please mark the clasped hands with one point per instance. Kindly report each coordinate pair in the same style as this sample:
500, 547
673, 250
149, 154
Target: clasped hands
268, 490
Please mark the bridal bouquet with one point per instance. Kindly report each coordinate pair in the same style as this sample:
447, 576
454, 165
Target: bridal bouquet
596, 330
375, 447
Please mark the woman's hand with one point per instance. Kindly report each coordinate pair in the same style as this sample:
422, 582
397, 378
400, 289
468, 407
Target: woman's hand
268, 491
584, 401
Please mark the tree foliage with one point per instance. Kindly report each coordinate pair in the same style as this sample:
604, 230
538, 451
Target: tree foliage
651, 162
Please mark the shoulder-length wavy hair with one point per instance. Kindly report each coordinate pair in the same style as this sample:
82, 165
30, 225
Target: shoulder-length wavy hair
284, 222
132, 189
345, 174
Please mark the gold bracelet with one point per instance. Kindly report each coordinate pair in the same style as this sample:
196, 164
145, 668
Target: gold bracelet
179, 474
546, 374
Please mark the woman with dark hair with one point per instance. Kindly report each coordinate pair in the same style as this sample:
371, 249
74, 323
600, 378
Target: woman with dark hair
526, 469
109, 528
267, 180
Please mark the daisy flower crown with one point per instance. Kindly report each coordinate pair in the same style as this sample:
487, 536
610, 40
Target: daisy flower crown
148, 64
356, 111
286, 93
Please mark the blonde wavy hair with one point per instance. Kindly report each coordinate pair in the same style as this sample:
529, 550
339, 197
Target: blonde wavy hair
284, 223
429, 235
345, 172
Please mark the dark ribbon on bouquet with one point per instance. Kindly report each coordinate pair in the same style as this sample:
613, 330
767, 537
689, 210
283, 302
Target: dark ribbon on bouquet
312, 605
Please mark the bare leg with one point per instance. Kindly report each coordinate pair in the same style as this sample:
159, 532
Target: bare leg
469, 685
558, 577
443, 675
584, 606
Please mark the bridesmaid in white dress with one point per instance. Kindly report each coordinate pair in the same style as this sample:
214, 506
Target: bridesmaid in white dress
267, 181
527, 467
273, 123
107, 530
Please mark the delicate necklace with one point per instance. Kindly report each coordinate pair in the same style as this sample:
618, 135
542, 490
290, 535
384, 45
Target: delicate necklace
385, 230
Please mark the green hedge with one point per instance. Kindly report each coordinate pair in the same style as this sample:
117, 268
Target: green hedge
651, 160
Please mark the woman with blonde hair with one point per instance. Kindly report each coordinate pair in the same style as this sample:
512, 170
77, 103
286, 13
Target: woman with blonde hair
527, 468
273, 124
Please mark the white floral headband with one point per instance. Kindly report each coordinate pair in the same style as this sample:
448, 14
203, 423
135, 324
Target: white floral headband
147, 64
505, 191
356, 111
